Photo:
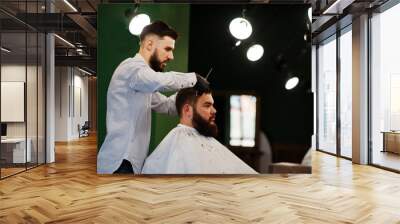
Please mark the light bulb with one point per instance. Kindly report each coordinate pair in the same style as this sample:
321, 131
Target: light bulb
137, 24
240, 28
291, 83
255, 52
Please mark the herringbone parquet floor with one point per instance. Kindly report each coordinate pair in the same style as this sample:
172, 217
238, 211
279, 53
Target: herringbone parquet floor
70, 191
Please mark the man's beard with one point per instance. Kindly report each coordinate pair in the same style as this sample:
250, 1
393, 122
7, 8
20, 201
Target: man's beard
203, 126
155, 63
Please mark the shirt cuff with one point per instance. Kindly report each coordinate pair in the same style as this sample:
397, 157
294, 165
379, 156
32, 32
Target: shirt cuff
192, 79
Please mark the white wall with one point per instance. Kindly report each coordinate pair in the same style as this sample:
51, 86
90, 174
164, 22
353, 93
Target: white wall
81, 103
61, 103
71, 102
16, 72
33, 127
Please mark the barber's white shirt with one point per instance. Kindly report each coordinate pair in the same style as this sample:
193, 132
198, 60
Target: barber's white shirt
132, 95
185, 151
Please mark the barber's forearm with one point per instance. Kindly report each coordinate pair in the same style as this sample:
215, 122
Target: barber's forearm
146, 80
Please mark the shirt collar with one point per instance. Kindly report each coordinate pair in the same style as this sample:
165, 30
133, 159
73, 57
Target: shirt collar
139, 56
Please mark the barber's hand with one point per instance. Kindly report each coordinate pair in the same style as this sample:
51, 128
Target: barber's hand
202, 84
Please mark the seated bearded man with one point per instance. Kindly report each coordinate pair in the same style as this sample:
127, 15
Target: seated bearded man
191, 147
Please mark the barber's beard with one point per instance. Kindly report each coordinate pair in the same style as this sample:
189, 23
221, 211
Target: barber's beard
203, 126
155, 63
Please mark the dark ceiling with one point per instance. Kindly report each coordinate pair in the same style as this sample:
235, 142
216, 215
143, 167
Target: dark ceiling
80, 27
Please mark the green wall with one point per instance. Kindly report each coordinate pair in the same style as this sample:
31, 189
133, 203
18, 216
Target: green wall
115, 44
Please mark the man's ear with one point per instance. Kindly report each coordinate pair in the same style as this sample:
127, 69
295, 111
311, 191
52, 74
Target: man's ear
187, 111
149, 45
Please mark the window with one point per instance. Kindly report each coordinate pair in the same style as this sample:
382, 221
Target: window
22, 65
327, 95
346, 93
242, 120
385, 88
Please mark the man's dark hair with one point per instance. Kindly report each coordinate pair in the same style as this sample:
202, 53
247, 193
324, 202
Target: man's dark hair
160, 29
188, 96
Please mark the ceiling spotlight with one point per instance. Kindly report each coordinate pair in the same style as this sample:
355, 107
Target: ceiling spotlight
238, 43
84, 71
337, 7
65, 41
70, 5
137, 24
310, 14
305, 37
255, 52
291, 83
79, 51
5, 50
240, 28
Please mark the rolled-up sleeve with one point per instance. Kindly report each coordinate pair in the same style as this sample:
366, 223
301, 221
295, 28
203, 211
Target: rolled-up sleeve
148, 81
163, 104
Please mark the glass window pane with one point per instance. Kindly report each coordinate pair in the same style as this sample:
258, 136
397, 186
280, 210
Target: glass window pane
346, 94
23, 87
248, 108
31, 97
41, 98
32, 88
385, 88
15, 149
242, 120
235, 130
327, 96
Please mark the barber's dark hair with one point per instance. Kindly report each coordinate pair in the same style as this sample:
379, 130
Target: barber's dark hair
188, 96
160, 29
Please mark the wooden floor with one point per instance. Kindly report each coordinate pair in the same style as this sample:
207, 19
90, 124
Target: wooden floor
386, 159
70, 191
5, 172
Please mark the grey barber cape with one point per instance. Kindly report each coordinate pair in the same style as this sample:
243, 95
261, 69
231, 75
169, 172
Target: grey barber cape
185, 151
132, 94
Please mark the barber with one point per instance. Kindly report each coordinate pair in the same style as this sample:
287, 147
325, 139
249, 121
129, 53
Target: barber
134, 92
